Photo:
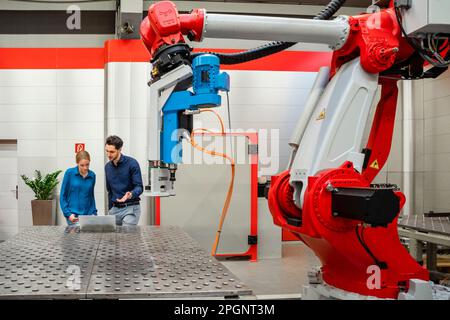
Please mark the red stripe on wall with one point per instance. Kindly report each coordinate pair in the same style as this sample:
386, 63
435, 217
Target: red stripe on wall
126, 51
306, 61
52, 58
81, 58
135, 51
27, 58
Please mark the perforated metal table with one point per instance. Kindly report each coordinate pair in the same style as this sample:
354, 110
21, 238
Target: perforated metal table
133, 262
432, 230
438, 225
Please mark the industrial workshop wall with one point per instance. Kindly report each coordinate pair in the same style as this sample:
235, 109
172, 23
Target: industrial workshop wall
431, 122
51, 99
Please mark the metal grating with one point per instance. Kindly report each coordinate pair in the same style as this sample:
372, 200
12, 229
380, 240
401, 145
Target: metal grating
133, 262
39, 262
440, 225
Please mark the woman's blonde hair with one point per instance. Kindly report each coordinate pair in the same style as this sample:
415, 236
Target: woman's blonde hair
82, 155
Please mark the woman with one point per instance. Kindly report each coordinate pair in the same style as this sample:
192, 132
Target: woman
77, 190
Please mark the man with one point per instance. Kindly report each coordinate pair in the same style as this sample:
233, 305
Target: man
123, 182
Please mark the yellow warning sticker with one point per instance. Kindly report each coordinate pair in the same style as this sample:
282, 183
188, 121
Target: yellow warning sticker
375, 165
321, 115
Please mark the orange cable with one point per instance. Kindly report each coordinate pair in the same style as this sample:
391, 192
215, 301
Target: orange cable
218, 117
233, 172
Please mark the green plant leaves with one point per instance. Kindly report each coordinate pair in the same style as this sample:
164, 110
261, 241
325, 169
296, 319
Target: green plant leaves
42, 186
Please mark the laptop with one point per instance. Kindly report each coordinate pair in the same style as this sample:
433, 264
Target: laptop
97, 223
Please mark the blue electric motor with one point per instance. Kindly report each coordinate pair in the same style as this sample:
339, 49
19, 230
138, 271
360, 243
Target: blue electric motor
207, 77
207, 81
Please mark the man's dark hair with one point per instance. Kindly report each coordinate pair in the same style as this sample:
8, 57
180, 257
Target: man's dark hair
114, 141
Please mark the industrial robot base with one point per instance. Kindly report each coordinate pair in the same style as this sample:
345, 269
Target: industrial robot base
418, 290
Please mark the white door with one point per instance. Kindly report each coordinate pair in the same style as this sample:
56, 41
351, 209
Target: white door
8, 189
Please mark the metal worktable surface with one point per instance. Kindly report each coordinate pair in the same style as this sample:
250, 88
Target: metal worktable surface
438, 225
133, 262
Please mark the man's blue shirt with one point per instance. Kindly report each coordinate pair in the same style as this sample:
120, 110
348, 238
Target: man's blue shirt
77, 193
124, 177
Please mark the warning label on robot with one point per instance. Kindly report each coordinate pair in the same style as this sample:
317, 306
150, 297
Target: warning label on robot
321, 115
375, 165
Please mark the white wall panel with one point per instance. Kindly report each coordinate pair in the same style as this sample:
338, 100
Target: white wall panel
271, 79
437, 126
36, 148
256, 113
118, 91
138, 90
432, 100
81, 113
7, 165
437, 107
8, 217
437, 144
27, 78
79, 77
80, 95
7, 180
29, 130
28, 95
27, 113
80, 130
138, 143
417, 88
436, 89
27, 166
272, 96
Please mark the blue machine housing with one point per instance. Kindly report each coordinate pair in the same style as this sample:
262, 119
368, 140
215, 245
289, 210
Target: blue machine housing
207, 81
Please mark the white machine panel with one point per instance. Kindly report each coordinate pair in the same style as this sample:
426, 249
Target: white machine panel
427, 16
338, 122
203, 181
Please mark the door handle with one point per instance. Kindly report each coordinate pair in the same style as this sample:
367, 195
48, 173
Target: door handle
16, 191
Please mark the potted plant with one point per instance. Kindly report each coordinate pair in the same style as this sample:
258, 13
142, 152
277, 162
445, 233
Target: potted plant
43, 208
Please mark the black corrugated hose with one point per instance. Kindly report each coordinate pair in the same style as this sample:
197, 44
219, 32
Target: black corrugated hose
272, 47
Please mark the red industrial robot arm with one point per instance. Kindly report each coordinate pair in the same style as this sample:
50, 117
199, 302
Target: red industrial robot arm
341, 239
375, 37
164, 26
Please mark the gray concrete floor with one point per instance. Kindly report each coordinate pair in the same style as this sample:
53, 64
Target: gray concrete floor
280, 276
